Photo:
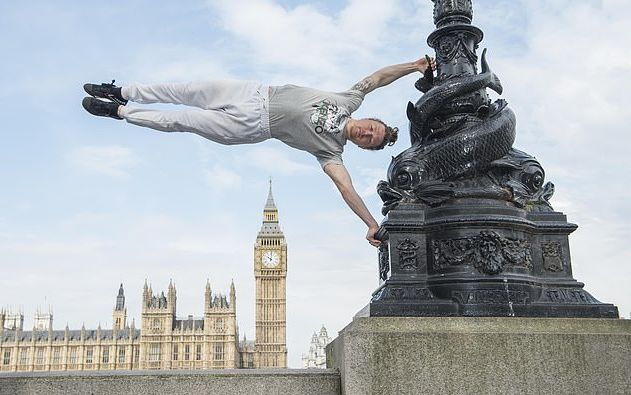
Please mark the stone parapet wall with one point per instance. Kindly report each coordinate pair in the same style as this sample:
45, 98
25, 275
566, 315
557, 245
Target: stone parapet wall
224, 382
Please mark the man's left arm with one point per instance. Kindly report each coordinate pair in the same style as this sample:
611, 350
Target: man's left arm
344, 184
389, 74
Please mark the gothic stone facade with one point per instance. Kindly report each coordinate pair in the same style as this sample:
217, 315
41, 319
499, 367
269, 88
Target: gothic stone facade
164, 341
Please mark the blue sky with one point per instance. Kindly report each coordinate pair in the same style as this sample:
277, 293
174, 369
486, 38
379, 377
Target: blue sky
88, 203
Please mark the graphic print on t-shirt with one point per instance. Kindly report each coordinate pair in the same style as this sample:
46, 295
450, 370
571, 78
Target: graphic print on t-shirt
326, 117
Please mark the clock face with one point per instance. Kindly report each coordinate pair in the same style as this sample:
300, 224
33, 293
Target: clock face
270, 258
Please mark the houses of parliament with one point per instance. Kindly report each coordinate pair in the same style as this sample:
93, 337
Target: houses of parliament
163, 340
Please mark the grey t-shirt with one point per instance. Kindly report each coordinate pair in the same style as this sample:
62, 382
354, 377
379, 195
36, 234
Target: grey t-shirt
312, 120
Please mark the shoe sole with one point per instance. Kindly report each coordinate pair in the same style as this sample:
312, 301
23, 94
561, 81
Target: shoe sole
87, 104
89, 90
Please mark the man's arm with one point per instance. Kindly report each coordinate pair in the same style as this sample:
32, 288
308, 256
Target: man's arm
389, 74
344, 184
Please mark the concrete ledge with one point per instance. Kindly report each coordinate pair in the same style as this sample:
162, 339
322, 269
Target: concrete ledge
483, 356
268, 382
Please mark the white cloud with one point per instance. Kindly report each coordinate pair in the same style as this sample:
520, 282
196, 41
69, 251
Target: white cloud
112, 160
276, 161
305, 38
200, 246
367, 181
218, 244
219, 177
49, 248
177, 63
571, 84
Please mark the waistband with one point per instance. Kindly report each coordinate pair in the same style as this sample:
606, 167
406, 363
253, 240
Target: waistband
264, 93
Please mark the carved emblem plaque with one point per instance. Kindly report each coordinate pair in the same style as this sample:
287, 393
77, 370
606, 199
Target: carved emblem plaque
552, 258
408, 254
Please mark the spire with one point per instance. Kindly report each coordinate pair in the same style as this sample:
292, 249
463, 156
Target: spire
233, 295
270, 204
208, 295
270, 216
163, 300
171, 297
120, 299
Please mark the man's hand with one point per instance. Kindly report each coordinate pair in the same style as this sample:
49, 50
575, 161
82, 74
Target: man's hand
422, 64
392, 73
370, 236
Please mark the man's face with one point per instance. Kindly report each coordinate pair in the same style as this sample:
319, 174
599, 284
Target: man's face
367, 133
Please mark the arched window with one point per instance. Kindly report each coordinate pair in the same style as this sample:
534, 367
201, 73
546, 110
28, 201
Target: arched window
219, 324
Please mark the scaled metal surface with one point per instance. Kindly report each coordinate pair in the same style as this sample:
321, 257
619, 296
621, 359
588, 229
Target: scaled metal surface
469, 229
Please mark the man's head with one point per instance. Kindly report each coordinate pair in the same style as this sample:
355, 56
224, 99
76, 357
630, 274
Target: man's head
371, 133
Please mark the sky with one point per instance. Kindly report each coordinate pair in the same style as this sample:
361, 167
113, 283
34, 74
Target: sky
87, 203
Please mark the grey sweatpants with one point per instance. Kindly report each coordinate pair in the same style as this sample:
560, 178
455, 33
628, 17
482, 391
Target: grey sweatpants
228, 112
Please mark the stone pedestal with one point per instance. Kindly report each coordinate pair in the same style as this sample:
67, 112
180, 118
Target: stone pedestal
483, 355
480, 257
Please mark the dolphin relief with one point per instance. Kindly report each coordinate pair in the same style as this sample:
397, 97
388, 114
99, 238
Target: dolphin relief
468, 154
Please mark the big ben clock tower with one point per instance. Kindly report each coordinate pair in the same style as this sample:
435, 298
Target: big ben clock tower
270, 272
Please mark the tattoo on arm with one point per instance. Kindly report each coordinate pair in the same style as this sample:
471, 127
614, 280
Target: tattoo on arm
366, 85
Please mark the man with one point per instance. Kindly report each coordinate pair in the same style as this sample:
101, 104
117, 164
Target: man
237, 112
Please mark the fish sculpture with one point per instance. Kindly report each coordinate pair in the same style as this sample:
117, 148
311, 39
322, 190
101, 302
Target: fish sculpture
466, 146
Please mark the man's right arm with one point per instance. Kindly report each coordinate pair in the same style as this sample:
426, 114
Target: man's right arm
344, 184
389, 74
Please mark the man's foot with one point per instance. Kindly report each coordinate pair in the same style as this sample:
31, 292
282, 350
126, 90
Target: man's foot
106, 91
101, 108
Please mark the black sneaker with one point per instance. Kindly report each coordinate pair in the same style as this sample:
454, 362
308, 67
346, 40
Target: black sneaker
101, 108
106, 91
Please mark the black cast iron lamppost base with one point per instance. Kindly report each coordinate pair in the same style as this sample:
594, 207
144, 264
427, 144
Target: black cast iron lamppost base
469, 230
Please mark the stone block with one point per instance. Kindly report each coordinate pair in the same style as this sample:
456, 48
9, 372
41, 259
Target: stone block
483, 355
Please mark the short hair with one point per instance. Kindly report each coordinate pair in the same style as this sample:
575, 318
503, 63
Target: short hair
390, 135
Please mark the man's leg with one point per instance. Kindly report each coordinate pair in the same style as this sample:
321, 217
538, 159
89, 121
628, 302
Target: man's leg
243, 119
216, 125
242, 122
202, 94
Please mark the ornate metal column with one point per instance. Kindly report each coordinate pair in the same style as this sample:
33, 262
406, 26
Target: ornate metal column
469, 230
